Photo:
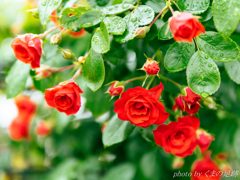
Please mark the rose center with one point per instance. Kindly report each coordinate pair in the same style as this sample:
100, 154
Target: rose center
178, 138
63, 101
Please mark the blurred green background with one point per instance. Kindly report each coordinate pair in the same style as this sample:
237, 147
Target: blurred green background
74, 149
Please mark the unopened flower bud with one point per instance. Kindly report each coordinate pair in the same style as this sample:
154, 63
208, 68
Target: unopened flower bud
210, 103
226, 167
204, 140
55, 39
221, 156
43, 72
151, 67
81, 59
34, 12
116, 88
141, 32
43, 129
177, 163
67, 53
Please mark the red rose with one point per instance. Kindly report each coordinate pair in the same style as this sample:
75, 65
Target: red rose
141, 107
116, 88
189, 103
151, 67
204, 140
206, 168
65, 97
43, 129
28, 49
25, 105
185, 26
178, 138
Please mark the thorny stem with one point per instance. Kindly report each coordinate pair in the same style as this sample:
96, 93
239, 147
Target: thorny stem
77, 73
136, 78
164, 9
170, 80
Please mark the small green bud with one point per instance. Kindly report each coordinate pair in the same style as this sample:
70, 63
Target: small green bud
55, 39
141, 32
67, 53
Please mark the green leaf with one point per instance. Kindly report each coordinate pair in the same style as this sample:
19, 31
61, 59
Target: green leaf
45, 8
80, 17
152, 33
156, 5
146, 15
116, 131
147, 133
100, 40
115, 25
70, 22
218, 48
165, 32
194, 7
206, 15
116, 9
124, 171
132, 25
236, 143
202, 74
178, 56
17, 78
226, 16
232, 69
93, 70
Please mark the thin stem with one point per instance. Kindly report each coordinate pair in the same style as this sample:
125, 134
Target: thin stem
164, 9
170, 80
150, 82
65, 68
47, 32
196, 44
176, 4
77, 73
62, 31
136, 78
172, 11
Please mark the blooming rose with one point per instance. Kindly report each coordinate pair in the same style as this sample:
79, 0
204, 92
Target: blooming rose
185, 26
141, 107
28, 49
178, 138
43, 129
206, 168
204, 140
189, 103
116, 88
65, 97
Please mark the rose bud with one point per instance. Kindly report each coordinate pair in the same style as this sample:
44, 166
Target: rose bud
55, 39
141, 32
28, 49
34, 12
204, 140
151, 67
43, 72
78, 34
177, 163
67, 53
205, 169
43, 129
116, 88
221, 156
65, 97
189, 103
185, 26
178, 138
141, 107
210, 103
81, 59
225, 167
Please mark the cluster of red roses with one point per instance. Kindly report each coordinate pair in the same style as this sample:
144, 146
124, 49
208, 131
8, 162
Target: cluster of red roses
19, 128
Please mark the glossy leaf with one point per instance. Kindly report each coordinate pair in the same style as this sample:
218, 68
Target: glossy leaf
93, 70
218, 48
194, 7
147, 133
100, 40
116, 9
206, 15
115, 25
45, 8
16, 79
156, 5
147, 15
116, 131
202, 74
226, 16
165, 32
233, 70
178, 56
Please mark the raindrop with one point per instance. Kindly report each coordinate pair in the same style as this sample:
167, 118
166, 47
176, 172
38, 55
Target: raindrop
134, 19
209, 65
204, 94
56, 2
44, 2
